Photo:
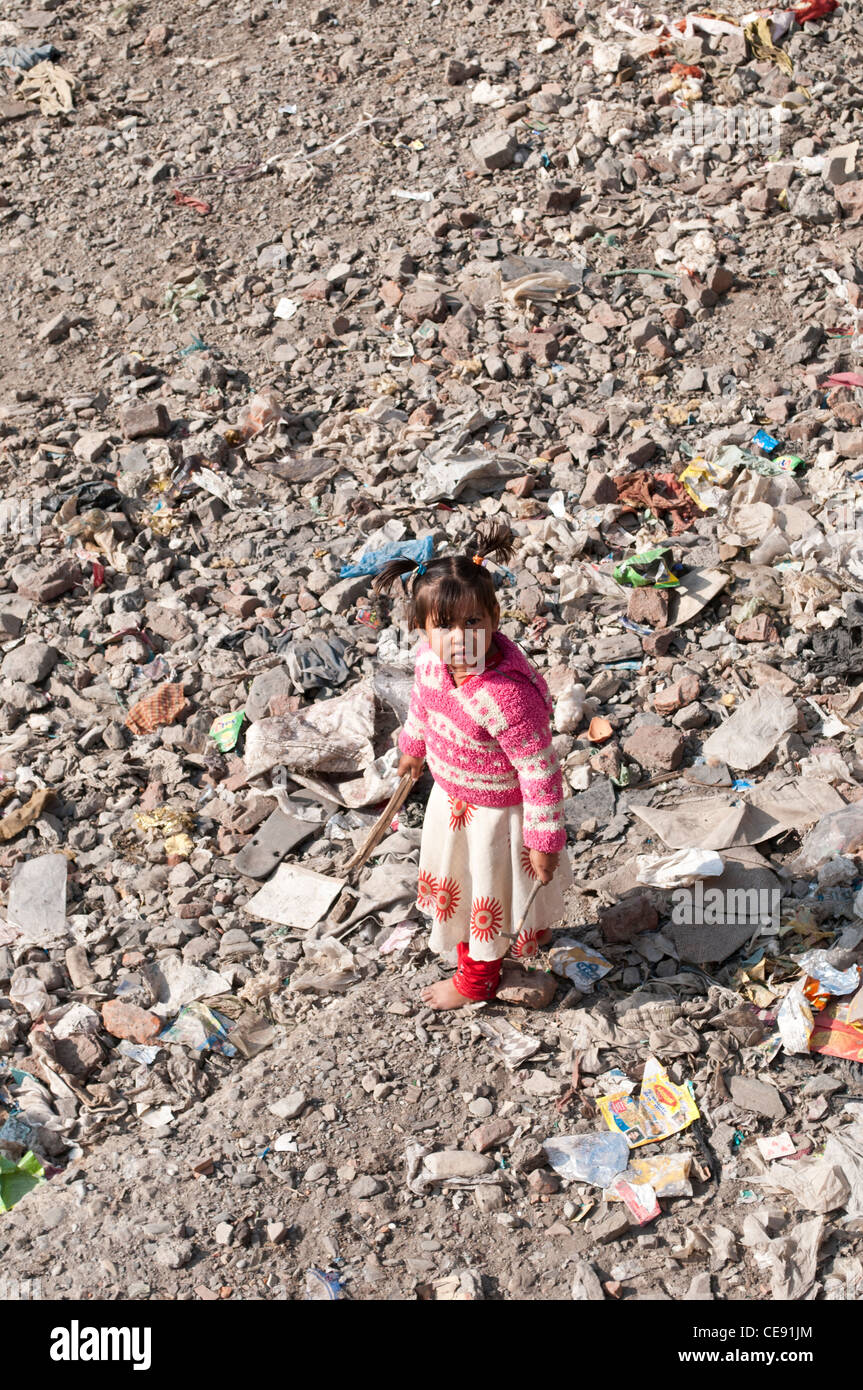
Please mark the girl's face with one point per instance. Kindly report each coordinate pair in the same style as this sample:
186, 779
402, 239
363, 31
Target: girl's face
465, 645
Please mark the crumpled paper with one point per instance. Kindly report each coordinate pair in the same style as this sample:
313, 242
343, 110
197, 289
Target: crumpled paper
50, 85
753, 730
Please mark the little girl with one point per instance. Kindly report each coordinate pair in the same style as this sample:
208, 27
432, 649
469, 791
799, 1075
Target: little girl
479, 714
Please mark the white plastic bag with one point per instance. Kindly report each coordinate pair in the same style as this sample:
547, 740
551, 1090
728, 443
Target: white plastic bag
677, 870
569, 709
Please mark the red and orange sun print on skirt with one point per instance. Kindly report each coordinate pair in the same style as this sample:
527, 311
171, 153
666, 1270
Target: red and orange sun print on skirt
446, 899
459, 813
426, 892
475, 878
524, 860
486, 919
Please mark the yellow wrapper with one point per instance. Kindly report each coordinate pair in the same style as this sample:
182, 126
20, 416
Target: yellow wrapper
661, 1108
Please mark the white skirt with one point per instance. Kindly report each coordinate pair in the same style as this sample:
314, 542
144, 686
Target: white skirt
475, 878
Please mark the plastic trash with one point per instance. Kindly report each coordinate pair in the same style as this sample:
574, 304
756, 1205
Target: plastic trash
322, 1287
295, 897
315, 662
652, 567
578, 963
329, 736
706, 482
538, 280
29, 993
225, 730
261, 410
775, 1146
840, 832
174, 983
765, 441
661, 1108
680, 869
639, 1198
26, 55
443, 472
17, 1178
593, 1158
809, 995
202, 1029
753, 730
37, 899
394, 689
838, 1027
666, 1174
373, 561
569, 709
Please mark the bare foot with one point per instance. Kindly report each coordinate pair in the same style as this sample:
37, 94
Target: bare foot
444, 995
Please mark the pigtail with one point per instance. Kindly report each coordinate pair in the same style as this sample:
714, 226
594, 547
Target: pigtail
393, 570
495, 539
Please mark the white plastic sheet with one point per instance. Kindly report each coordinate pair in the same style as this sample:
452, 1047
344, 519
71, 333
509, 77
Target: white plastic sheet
329, 736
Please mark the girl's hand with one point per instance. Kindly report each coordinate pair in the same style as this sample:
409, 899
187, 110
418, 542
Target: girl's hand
412, 765
543, 865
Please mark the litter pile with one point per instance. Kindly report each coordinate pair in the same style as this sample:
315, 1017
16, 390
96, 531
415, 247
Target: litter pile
338, 293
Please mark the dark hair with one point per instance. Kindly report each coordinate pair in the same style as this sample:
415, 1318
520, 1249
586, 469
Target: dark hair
448, 586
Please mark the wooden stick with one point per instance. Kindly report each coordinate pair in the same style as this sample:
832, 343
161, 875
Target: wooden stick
513, 936
380, 828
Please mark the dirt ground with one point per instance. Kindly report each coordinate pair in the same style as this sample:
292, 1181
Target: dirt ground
332, 156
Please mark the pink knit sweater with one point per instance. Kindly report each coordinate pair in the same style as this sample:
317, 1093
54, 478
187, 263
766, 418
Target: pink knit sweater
488, 741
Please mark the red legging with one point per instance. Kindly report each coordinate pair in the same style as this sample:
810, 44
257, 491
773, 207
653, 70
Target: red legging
476, 979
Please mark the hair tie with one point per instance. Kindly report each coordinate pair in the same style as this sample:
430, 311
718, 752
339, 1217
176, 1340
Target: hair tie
421, 569
478, 559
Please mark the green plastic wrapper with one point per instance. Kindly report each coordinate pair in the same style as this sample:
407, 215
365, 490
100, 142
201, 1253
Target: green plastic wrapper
651, 568
17, 1179
225, 730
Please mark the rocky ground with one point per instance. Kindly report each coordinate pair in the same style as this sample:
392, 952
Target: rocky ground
284, 284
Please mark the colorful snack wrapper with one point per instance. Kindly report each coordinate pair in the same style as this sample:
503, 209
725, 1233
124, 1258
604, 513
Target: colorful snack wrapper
225, 730
578, 963
660, 1109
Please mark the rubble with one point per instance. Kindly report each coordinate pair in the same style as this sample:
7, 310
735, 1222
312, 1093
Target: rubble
340, 288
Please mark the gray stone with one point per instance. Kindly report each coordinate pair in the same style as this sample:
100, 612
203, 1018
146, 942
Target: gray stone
496, 150
269, 685
55, 329
489, 1198
30, 663
597, 802
457, 1163
174, 1255
142, 421
289, 1108
822, 1086
365, 1187
609, 1224
657, 750
341, 596
803, 345
586, 1287
758, 1096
